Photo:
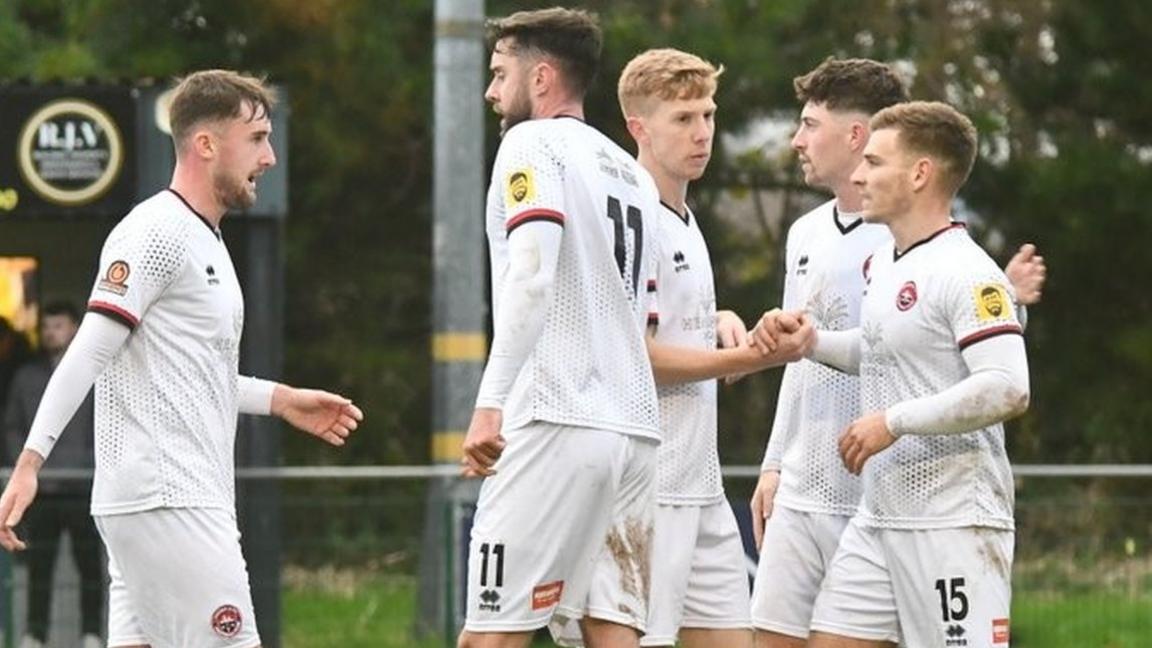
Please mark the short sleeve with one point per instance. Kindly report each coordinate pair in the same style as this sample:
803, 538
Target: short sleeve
136, 265
980, 306
530, 177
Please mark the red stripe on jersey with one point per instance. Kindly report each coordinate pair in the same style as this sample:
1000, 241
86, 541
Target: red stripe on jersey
651, 285
979, 336
534, 215
115, 312
653, 319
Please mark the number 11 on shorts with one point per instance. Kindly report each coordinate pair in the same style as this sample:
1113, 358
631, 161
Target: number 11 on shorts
496, 552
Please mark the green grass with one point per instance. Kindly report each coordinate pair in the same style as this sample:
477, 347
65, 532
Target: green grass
1057, 620
342, 608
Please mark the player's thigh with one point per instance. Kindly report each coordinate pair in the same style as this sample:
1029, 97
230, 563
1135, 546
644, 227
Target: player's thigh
178, 577
715, 638
616, 589
539, 521
952, 585
673, 545
795, 555
856, 599
717, 596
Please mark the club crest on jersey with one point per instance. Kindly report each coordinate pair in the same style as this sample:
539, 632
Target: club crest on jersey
521, 187
992, 302
906, 298
115, 278
227, 621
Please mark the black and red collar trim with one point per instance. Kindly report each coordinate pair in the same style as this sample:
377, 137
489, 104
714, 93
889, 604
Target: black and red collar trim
215, 231
897, 254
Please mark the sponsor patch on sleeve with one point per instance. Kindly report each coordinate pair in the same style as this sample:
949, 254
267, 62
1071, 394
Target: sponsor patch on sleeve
520, 188
115, 278
992, 302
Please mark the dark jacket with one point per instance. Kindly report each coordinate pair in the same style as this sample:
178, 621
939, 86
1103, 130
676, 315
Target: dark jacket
74, 449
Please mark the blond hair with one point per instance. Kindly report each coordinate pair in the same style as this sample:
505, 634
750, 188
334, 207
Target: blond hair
936, 130
663, 75
216, 95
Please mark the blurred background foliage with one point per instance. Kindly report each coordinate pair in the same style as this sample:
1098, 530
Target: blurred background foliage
1058, 87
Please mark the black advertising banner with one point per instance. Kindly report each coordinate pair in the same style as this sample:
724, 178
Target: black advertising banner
67, 150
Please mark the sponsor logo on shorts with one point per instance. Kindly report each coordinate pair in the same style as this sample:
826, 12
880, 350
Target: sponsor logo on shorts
1000, 631
489, 601
545, 595
906, 298
115, 278
227, 621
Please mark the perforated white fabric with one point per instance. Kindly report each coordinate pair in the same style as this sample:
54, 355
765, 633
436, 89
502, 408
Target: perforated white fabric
688, 464
920, 311
166, 406
590, 366
824, 275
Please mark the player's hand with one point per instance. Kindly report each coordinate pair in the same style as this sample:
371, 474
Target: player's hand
730, 333
1027, 273
18, 496
763, 499
330, 417
767, 331
484, 444
865, 437
798, 338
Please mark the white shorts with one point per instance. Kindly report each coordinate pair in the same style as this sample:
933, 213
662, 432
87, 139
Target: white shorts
561, 498
935, 587
699, 573
797, 549
177, 579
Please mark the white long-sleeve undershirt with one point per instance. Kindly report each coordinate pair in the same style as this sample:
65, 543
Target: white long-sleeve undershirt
996, 389
521, 307
97, 342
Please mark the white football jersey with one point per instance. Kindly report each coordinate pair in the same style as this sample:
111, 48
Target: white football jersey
824, 275
590, 366
921, 310
688, 463
166, 405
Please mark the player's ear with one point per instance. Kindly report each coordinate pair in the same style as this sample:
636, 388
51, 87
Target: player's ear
858, 136
203, 143
543, 77
636, 129
923, 171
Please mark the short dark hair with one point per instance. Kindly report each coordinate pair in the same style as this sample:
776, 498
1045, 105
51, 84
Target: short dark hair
860, 85
61, 307
936, 130
570, 36
216, 95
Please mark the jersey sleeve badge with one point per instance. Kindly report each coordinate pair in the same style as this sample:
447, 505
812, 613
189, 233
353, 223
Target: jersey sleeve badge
520, 188
992, 302
115, 278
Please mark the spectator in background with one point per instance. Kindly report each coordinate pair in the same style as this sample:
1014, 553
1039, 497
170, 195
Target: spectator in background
64, 502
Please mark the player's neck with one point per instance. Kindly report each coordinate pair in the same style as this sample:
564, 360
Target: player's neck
848, 199
198, 193
549, 108
917, 225
673, 191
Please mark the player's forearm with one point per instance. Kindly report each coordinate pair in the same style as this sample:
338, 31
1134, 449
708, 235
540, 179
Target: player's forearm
838, 349
523, 306
96, 343
995, 391
676, 364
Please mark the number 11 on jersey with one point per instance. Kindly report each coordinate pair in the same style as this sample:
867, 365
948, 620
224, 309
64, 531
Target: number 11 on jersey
634, 222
